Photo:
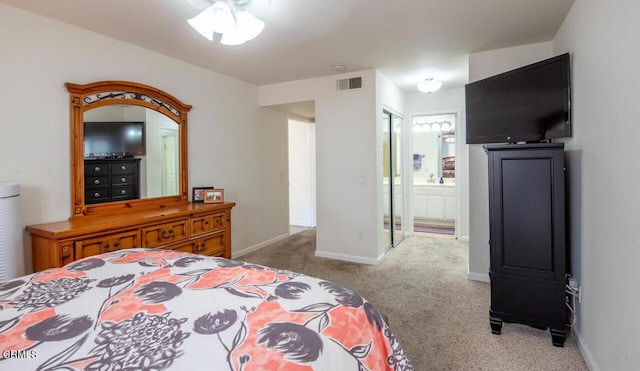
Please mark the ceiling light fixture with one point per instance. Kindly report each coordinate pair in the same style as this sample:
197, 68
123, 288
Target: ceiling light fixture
438, 126
429, 85
229, 18
338, 67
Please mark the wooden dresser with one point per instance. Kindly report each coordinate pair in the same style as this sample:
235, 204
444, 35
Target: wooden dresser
197, 228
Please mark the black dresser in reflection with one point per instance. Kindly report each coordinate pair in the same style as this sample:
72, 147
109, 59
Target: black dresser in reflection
108, 180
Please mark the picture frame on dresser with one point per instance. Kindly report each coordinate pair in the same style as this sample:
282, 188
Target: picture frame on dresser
213, 196
197, 194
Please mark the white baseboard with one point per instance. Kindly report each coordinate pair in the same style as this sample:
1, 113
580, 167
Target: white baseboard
256, 247
349, 258
584, 349
478, 277
463, 238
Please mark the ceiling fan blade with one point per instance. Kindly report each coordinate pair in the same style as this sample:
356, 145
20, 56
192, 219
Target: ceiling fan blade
200, 4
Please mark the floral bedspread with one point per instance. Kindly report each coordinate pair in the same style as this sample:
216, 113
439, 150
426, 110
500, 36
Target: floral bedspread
160, 309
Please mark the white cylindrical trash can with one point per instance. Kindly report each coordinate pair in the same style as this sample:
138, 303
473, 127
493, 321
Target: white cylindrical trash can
11, 247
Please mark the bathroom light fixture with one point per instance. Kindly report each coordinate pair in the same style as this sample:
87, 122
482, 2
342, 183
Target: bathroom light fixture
429, 85
229, 18
437, 126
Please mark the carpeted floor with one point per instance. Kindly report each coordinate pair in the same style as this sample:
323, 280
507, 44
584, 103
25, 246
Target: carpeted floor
438, 315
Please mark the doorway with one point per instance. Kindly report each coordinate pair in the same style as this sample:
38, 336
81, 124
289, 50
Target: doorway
169, 139
434, 173
302, 176
392, 180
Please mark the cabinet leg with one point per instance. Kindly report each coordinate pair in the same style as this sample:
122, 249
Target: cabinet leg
496, 325
558, 336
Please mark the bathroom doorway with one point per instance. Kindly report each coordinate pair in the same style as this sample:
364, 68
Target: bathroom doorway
434, 173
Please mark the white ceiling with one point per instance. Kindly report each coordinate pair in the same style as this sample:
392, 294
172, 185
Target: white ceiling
407, 40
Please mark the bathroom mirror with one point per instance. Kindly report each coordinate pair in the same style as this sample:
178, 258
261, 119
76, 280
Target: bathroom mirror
434, 143
161, 150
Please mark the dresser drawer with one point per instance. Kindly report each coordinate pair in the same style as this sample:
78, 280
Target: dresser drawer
123, 179
118, 167
96, 181
207, 224
97, 194
123, 192
166, 233
107, 243
213, 245
96, 168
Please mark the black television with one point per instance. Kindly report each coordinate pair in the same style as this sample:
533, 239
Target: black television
529, 104
113, 139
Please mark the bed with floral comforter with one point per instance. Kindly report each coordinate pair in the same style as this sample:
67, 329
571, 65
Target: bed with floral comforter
160, 309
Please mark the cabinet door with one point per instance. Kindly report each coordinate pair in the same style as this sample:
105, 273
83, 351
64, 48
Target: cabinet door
449, 207
435, 207
527, 213
102, 244
419, 205
166, 233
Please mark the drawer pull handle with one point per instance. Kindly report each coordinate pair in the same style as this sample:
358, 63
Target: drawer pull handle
124, 192
206, 222
116, 244
165, 234
123, 180
105, 247
97, 169
97, 181
123, 167
96, 195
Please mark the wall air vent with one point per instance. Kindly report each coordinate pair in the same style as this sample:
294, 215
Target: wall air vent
348, 84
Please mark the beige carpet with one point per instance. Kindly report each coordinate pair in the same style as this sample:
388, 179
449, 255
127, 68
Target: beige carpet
439, 317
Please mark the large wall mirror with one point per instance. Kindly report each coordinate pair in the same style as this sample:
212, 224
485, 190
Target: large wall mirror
128, 148
434, 148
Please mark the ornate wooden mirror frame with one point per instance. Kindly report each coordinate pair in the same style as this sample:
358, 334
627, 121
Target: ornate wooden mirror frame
103, 93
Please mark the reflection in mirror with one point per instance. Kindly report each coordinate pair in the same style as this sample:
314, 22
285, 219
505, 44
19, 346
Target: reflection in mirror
101, 186
157, 147
434, 144
392, 195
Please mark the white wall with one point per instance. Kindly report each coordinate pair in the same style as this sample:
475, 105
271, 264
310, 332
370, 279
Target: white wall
348, 178
233, 144
603, 176
449, 101
483, 65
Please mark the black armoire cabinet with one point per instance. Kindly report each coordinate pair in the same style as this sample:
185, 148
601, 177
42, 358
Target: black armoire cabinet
527, 237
